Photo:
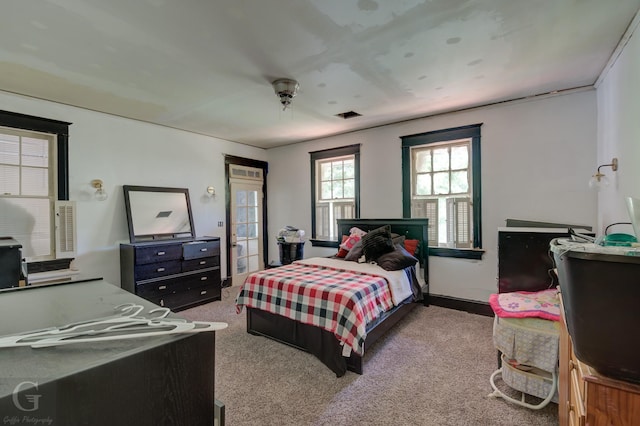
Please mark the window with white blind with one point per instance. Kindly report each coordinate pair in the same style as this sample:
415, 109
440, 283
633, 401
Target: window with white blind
32, 179
335, 191
441, 181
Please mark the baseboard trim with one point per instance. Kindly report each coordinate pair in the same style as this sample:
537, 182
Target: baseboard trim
471, 306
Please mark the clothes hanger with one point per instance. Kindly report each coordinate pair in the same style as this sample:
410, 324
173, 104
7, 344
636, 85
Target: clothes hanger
128, 324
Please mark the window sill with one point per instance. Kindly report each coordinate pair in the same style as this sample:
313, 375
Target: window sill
324, 243
457, 253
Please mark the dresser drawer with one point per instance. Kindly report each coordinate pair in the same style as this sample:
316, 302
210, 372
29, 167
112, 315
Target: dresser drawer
198, 249
201, 263
184, 299
206, 292
154, 254
200, 279
155, 270
179, 283
158, 288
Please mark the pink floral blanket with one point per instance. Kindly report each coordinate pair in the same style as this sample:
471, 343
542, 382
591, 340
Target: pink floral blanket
523, 304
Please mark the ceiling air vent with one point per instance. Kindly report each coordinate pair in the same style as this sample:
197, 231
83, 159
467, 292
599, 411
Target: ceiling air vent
348, 114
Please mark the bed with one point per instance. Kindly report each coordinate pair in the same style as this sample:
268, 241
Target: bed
343, 349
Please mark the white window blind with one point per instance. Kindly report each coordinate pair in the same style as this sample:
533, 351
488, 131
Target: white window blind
459, 222
427, 208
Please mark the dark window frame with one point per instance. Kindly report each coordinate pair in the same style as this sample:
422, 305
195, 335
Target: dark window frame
464, 132
330, 153
61, 130
46, 125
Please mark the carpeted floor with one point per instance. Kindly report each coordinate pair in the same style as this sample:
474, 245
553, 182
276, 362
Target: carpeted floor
432, 368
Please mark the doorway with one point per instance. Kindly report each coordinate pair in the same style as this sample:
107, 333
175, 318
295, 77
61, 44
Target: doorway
246, 221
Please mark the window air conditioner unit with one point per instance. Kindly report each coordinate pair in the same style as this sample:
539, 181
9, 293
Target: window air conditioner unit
65, 222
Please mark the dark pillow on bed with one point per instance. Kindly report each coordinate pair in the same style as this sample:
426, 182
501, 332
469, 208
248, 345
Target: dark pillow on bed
377, 242
396, 260
355, 253
397, 238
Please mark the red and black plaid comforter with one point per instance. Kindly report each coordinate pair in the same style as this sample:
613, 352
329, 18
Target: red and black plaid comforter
336, 300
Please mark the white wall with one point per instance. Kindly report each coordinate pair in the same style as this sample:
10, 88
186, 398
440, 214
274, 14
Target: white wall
618, 100
126, 152
537, 157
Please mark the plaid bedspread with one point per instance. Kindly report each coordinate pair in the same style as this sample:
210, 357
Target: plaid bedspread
339, 301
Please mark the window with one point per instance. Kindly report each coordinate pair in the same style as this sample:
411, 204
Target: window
33, 176
335, 191
441, 181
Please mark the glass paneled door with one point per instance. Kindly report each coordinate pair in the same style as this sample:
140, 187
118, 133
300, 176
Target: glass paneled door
246, 229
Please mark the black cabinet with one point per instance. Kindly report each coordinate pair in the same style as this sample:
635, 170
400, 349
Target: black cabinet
10, 262
176, 274
150, 381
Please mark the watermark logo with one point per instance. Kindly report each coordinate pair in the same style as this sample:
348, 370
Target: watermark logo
32, 400
31, 405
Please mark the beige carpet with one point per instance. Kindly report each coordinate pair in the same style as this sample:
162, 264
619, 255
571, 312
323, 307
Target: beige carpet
432, 368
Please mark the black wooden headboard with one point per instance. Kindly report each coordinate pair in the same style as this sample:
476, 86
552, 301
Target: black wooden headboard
414, 229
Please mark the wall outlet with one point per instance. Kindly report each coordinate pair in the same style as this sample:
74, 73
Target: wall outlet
220, 224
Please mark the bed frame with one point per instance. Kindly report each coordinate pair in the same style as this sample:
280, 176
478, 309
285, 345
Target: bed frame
322, 343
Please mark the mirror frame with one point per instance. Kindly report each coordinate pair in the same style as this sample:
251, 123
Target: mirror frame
127, 189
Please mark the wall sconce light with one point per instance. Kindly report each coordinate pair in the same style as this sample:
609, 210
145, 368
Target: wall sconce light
211, 191
100, 194
600, 180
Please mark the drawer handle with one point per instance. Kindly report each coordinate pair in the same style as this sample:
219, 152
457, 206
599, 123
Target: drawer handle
162, 253
203, 249
203, 292
203, 262
203, 278
160, 269
162, 287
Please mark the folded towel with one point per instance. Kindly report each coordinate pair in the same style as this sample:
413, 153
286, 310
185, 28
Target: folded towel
523, 304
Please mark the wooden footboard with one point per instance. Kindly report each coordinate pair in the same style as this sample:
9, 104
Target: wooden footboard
321, 343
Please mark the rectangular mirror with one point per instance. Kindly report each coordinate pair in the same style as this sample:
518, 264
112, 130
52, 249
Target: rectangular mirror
155, 213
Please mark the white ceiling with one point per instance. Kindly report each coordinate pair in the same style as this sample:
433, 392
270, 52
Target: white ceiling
206, 66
